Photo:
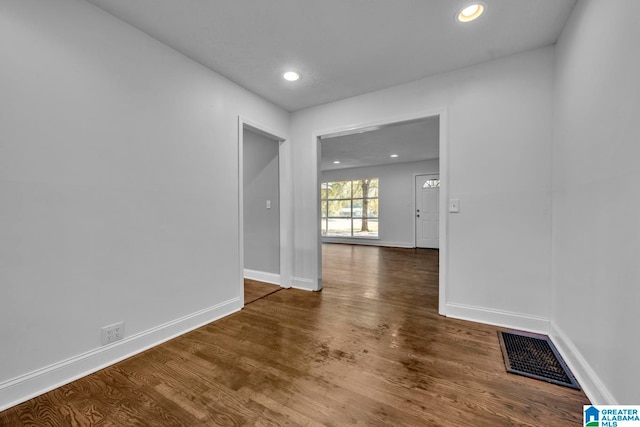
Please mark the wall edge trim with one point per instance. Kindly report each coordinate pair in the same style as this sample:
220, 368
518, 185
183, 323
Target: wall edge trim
505, 319
590, 382
262, 276
304, 284
40, 381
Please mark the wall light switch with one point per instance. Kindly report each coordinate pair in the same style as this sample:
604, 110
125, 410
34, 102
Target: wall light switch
268, 204
454, 205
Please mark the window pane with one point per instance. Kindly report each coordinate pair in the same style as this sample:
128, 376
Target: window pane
431, 183
366, 185
357, 188
339, 208
339, 190
372, 208
373, 187
357, 208
339, 227
350, 208
365, 227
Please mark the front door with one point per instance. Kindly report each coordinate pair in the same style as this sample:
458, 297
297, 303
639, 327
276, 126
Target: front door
427, 211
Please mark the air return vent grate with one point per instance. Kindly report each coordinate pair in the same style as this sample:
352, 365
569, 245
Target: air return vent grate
534, 356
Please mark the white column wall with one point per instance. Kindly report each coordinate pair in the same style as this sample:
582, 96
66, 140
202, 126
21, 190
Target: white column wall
596, 209
119, 191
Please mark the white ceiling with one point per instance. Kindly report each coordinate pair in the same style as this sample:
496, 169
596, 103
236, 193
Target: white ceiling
412, 142
342, 48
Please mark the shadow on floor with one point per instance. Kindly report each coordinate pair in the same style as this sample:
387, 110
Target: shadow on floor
254, 290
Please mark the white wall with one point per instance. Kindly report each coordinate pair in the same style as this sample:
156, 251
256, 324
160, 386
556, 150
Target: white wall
119, 184
113, 149
596, 209
261, 225
499, 145
397, 217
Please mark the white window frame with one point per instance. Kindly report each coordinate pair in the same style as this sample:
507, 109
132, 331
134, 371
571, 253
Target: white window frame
324, 216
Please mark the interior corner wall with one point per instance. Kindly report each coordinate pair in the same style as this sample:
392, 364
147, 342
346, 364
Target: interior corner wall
396, 199
261, 184
499, 144
119, 184
596, 232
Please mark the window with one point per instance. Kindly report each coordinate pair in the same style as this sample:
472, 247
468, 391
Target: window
350, 208
431, 183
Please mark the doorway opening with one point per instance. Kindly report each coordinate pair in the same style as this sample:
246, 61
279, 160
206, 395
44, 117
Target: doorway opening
264, 203
381, 151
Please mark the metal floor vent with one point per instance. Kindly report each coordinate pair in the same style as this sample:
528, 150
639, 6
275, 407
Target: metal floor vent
535, 356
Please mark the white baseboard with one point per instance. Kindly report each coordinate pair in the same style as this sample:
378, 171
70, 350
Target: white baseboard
305, 284
501, 318
369, 242
262, 276
591, 384
30, 385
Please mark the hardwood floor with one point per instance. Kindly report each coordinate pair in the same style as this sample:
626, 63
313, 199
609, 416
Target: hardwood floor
369, 350
254, 290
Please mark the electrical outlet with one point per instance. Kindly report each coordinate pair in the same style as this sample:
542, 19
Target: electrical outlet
112, 333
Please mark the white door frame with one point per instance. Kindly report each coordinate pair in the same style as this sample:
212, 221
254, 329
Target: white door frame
286, 201
444, 189
415, 204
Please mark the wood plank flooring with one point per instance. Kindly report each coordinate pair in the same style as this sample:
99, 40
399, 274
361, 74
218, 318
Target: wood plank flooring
254, 290
369, 350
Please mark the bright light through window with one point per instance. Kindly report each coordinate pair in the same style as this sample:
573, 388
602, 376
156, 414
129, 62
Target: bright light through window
350, 208
431, 183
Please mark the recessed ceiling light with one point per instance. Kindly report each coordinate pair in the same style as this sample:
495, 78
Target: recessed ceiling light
336, 162
471, 12
291, 76
393, 155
